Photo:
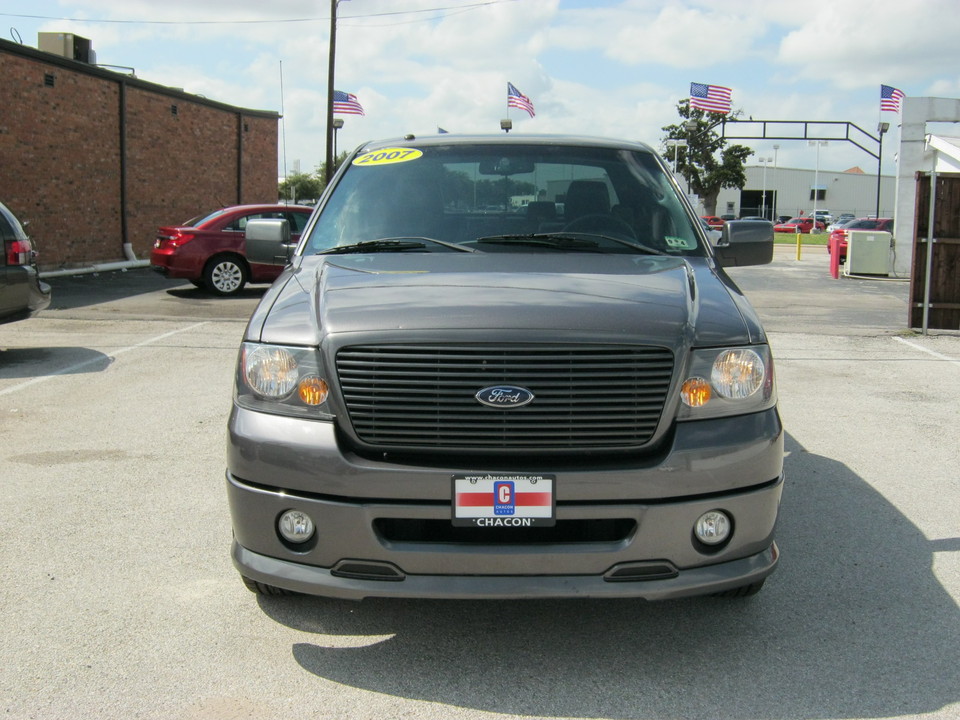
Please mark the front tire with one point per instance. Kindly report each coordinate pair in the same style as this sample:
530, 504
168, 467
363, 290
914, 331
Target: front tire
742, 591
225, 275
263, 589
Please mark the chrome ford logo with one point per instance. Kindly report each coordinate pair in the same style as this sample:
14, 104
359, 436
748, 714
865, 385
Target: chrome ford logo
504, 396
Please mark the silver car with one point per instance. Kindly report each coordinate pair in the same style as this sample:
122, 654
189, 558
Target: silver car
505, 367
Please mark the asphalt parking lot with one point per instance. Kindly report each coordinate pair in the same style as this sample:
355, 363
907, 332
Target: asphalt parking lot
120, 601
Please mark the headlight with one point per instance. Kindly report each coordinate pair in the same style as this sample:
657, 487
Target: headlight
737, 374
270, 371
281, 379
728, 381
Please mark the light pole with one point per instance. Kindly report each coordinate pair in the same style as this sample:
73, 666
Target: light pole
816, 181
676, 145
763, 203
881, 129
773, 214
337, 125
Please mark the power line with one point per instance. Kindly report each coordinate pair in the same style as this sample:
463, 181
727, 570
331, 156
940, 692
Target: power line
451, 8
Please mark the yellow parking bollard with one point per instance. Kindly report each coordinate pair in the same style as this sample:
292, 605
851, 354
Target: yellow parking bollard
798, 246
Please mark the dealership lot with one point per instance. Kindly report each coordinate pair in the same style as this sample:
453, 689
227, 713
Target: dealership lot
120, 599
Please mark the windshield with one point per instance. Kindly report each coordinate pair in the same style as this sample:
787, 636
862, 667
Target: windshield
504, 197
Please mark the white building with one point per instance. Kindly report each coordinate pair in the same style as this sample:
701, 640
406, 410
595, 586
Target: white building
790, 191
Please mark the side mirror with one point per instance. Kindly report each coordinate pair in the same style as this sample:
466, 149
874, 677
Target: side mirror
745, 242
268, 242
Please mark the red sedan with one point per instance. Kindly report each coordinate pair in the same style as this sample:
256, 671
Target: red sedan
209, 250
798, 225
713, 221
839, 236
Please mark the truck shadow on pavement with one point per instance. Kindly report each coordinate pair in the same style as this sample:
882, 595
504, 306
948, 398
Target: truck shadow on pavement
854, 623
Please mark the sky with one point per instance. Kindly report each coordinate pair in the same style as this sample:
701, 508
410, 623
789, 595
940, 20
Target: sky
613, 68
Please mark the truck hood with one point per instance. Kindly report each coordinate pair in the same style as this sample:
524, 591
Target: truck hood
651, 300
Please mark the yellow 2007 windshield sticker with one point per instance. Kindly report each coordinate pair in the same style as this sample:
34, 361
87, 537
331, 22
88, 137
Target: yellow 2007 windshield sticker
388, 156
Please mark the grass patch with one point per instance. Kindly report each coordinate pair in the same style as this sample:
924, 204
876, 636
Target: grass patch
788, 239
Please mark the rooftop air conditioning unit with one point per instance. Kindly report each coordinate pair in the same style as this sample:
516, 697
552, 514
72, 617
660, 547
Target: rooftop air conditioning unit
67, 45
868, 252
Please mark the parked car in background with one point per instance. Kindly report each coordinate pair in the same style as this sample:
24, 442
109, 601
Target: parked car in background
713, 233
840, 220
839, 236
713, 221
798, 225
210, 250
22, 293
823, 216
728, 217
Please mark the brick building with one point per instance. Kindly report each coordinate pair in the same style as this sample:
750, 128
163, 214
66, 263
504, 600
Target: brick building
96, 160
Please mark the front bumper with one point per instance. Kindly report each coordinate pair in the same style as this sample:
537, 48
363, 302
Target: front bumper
322, 581
623, 529
350, 558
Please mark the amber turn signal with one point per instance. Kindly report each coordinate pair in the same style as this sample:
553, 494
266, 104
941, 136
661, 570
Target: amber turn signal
695, 392
313, 390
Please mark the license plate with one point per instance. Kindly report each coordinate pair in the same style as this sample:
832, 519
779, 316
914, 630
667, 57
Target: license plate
504, 500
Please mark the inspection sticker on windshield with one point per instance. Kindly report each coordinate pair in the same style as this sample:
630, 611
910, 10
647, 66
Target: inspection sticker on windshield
681, 243
491, 500
387, 156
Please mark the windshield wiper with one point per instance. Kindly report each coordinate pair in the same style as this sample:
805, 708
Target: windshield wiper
567, 241
394, 244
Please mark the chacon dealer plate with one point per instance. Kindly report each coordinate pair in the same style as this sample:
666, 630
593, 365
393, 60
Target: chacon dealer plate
504, 500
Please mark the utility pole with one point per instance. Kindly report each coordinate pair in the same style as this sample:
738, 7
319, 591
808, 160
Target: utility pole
330, 82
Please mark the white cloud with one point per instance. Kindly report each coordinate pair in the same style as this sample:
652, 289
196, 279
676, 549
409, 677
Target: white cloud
857, 43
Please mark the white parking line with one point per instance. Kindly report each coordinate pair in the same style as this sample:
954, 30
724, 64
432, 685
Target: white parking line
85, 363
928, 351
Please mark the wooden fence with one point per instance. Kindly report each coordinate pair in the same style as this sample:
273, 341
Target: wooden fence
940, 270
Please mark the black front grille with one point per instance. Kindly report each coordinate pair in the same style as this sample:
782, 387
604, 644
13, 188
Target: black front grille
422, 397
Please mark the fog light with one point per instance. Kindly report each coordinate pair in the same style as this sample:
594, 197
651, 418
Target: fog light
295, 526
713, 527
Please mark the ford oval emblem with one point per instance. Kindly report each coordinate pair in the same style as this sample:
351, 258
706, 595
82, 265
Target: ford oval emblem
506, 397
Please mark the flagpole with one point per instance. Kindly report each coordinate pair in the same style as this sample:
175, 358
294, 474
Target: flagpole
283, 124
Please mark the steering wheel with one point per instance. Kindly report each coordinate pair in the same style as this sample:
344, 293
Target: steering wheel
601, 222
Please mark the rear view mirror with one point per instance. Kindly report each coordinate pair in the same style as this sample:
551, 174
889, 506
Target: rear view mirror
506, 166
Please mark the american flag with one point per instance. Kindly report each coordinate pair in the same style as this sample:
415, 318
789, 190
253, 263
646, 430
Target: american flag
712, 98
517, 99
346, 103
890, 98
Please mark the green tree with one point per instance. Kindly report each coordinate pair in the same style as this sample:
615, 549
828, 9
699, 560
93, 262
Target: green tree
707, 163
308, 186
300, 186
321, 173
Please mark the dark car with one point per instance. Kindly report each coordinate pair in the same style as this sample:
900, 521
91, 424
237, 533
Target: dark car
839, 236
210, 250
22, 293
439, 400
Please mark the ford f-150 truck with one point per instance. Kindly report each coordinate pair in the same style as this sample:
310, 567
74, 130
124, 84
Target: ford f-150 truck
505, 367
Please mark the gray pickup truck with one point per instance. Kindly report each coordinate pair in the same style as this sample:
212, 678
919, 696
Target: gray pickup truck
505, 367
